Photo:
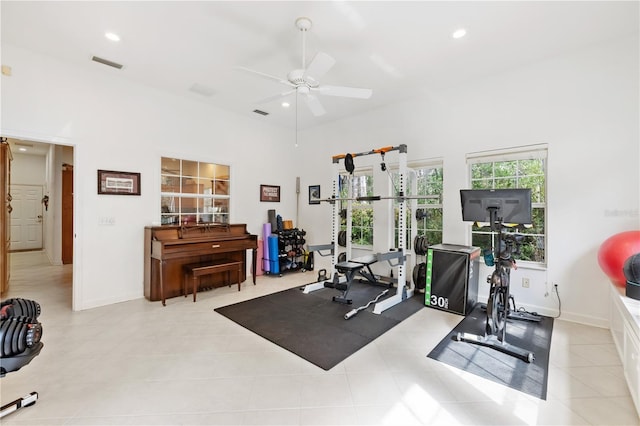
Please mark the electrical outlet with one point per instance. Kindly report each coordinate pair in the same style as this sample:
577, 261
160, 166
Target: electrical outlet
525, 282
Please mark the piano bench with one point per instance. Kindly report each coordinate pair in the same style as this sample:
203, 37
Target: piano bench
193, 272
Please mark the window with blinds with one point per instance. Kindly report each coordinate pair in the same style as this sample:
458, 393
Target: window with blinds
429, 181
524, 167
361, 211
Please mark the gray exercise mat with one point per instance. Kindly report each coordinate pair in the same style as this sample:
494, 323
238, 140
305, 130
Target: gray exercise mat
530, 378
313, 327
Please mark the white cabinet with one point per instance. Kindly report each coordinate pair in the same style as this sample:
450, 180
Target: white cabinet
625, 328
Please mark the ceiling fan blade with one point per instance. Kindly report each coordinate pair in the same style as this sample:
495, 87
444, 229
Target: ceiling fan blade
267, 76
319, 66
314, 105
274, 97
347, 92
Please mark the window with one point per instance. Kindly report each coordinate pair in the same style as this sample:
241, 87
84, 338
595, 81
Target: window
361, 211
193, 192
429, 210
525, 168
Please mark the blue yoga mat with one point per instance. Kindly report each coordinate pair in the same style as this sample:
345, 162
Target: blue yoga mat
274, 263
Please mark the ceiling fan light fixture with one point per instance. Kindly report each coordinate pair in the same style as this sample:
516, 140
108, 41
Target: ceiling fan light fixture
305, 80
303, 23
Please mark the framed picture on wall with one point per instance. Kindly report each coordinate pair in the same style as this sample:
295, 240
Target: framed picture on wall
118, 183
270, 193
314, 194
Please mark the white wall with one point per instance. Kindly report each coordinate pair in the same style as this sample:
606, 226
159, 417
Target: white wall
115, 125
583, 105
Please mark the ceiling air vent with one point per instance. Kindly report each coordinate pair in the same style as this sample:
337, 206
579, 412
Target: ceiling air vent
29, 145
257, 111
106, 62
201, 89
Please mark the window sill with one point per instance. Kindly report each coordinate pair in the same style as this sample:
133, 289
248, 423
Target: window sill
532, 266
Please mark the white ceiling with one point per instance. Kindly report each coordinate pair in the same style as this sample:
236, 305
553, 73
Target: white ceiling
399, 49
19, 146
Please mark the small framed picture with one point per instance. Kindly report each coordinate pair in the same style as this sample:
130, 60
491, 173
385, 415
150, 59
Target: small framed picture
118, 183
270, 193
314, 194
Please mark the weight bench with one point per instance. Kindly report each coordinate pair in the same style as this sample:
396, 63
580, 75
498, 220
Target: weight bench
349, 269
359, 265
367, 273
197, 270
366, 262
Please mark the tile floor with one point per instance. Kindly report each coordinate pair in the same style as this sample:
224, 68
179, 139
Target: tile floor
137, 363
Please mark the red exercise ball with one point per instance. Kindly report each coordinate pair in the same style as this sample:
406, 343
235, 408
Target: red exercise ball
614, 251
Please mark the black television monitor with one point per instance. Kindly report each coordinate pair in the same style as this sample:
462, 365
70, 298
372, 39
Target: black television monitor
510, 205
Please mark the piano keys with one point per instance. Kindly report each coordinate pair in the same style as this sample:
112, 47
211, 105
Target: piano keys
167, 248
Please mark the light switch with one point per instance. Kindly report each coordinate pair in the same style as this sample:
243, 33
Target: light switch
106, 220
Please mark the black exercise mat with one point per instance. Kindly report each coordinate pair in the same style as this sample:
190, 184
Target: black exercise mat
313, 327
530, 378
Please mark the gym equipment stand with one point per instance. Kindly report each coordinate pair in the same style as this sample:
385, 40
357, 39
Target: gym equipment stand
403, 291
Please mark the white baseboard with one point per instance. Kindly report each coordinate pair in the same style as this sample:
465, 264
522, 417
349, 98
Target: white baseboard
96, 303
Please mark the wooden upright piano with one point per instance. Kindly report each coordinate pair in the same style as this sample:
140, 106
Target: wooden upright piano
167, 248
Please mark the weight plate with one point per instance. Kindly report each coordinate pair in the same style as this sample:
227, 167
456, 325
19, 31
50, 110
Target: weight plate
342, 238
425, 245
422, 276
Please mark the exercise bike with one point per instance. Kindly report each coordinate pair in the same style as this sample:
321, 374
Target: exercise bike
507, 260
498, 307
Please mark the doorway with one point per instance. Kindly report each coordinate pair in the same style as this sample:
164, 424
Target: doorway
49, 174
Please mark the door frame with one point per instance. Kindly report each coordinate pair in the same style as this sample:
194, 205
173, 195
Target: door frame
66, 244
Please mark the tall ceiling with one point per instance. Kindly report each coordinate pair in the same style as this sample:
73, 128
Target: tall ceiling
400, 50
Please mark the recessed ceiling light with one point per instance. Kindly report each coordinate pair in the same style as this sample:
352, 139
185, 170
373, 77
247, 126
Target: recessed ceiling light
459, 33
285, 105
22, 149
112, 36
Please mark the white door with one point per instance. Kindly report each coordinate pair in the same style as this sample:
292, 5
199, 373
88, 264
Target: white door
26, 217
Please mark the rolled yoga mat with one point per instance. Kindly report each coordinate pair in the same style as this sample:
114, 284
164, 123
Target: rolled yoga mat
266, 231
274, 263
260, 270
271, 215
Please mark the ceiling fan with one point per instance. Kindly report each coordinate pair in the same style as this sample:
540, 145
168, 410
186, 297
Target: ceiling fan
305, 80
